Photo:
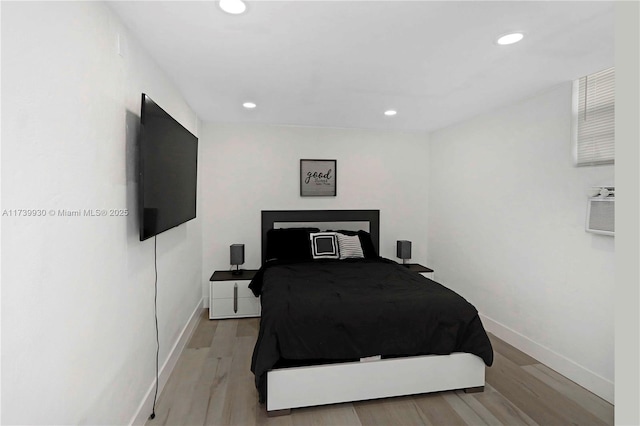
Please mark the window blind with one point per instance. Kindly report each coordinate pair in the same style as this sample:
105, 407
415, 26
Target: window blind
594, 118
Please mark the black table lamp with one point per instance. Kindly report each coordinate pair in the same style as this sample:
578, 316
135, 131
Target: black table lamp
237, 257
404, 250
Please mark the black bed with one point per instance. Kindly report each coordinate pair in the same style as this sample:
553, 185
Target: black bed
329, 310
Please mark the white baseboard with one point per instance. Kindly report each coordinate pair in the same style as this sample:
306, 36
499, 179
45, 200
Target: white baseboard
588, 379
142, 413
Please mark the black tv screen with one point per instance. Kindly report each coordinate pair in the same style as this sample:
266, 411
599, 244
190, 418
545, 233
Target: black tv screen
168, 155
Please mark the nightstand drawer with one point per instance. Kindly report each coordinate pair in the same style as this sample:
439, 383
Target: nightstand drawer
230, 296
226, 289
226, 308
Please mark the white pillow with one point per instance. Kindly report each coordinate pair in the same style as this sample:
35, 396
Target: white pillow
324, 245
350, 247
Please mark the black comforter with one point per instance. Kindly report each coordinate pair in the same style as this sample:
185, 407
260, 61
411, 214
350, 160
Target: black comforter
350, 309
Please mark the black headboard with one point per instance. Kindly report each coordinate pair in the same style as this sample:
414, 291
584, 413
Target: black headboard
270, 217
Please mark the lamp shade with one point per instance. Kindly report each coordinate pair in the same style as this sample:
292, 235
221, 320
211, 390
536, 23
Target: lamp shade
237, 254
404, 249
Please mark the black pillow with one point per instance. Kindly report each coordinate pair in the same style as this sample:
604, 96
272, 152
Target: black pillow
289, 243
368, 249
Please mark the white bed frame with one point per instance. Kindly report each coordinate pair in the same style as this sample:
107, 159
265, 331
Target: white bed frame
297, 387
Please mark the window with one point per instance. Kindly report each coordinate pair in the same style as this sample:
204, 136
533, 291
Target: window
594, 118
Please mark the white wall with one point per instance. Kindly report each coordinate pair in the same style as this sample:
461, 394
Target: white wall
252, 168
506, 230
627, 299
78, 333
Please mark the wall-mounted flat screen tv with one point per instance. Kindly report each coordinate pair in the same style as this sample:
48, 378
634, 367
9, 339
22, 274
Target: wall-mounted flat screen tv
168, 160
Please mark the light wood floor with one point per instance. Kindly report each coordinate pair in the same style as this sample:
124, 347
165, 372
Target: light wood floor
212, 385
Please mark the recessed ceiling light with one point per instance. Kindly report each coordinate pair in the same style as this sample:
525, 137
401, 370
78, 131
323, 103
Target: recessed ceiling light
390, 112
509, 38
234, 7
249, 105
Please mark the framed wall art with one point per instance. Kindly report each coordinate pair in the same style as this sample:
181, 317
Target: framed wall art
318, 178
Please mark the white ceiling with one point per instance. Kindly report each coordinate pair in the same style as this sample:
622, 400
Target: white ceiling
343, 63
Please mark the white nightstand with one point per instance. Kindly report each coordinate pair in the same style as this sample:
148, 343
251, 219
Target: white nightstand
230, 296
422, 270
